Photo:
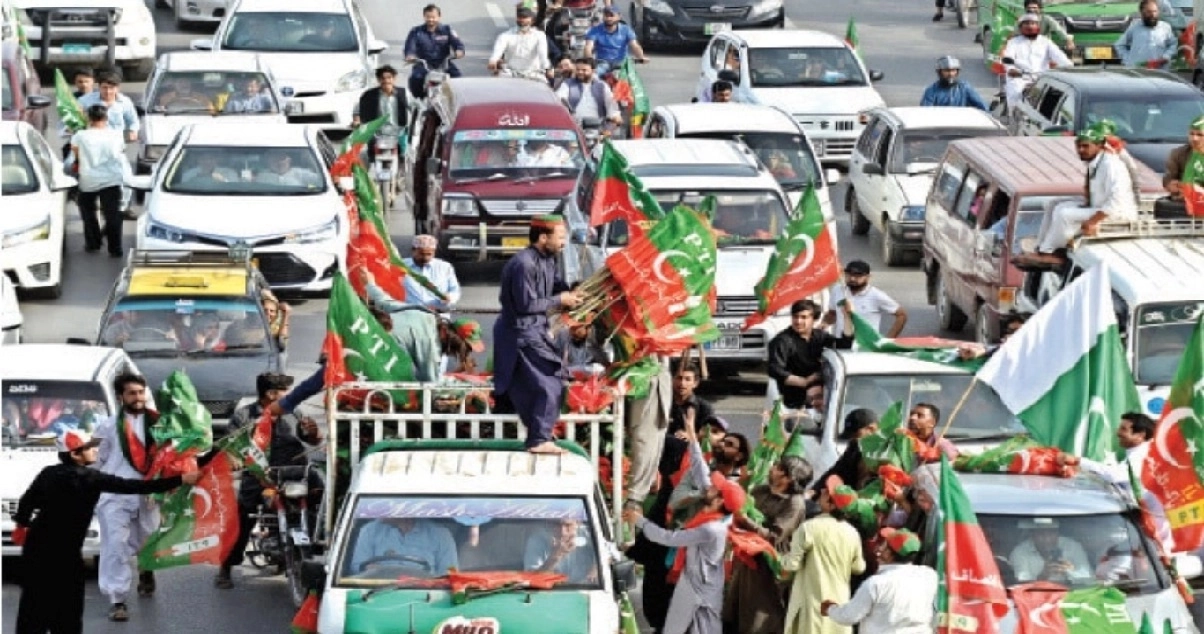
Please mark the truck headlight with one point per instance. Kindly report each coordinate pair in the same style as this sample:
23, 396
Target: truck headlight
458, 206
163, 232
40, 231
912, 212
659, 6
326, 232
355, 80
153, 152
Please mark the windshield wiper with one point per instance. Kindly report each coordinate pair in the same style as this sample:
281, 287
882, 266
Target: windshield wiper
479, 179
1127, 586
795, 186
398, 585
540, 177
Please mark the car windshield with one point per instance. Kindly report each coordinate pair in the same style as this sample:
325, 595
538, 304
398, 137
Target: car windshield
211, 92
36, 411
982, 416
16, 171
502, 154
1105, 549
1153, 119
741, 217
1163, 331
787, 156
1050, 3
926, 147
186, 327
6, 93
208, 170
291, 33
412, 541
778, 67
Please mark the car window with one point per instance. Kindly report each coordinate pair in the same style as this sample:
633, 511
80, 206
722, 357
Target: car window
1163, 331
1048, 108
211, 92
785, 155
1033, 96
883, 149
741, 217
42, 153
656, 127
246, 171
1066, 111
1155, 119
776, 67
927, 146
1029, 217
865, 139
970, 198
948, 184
291, 32
17, 172
7, 95
213, 327
37, 411
983, 414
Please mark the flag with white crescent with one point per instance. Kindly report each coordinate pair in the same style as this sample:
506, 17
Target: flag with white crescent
971, 596
620, 195
1037, 610
198, 524
1174, 469
358, 348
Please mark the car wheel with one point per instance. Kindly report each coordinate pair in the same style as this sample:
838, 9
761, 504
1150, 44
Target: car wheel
982, 325
892, 253
948, 316
860, 225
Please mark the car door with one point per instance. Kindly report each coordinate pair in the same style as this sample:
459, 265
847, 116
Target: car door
868, 187
963, 233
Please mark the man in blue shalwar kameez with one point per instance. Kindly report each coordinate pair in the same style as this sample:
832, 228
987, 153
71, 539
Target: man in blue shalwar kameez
527, 364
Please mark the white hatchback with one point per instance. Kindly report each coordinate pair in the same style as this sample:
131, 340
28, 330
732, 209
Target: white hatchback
263, 187
35, 197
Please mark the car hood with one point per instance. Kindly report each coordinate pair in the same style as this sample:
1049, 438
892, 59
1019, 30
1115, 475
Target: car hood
1092, 10
21, 466
222, 378
1152, 154
913, 187
739, 268
308, 72
509, 188
242, 217
160, 129
1162, 607
25, 211
835, 100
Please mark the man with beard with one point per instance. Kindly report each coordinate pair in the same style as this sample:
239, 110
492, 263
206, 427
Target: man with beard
1030, 53
1148, 42
868, 301
727, 459
949, 90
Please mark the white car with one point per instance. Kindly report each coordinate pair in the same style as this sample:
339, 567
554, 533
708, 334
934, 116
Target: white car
80, 32
48, 388
35, 197
192, 87
814, 76
892, 169
191, 13
323, 50
10, 313
266, 187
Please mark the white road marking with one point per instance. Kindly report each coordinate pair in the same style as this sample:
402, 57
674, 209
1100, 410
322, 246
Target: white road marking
495, 12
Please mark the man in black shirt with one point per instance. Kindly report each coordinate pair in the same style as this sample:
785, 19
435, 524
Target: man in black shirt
796, 352
685, 381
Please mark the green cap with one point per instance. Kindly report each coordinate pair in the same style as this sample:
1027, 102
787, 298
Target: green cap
1198, 123
1097, 133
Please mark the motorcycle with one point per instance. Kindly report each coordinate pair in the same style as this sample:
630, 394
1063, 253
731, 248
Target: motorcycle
596, 129
999, 105
434, 76
386, 163
533, 75
281, 536
580, 16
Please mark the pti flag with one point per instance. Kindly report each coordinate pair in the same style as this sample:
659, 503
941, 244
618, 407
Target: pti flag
248, 447
870, 340
1174, 469
891, 444
368, 256
620, 195
804, 262
1048, 608
183, 430
971, 596
358, 348
1192, 184
70, 112
368, 207
363, 134
1072, 397
199, 523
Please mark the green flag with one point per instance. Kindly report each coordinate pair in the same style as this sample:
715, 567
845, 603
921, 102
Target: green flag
184, 428
637, 375
357, 348
627, 621
367, 198
889, 445
850, 35
364, 133
1096, 610
70, 112
870, 340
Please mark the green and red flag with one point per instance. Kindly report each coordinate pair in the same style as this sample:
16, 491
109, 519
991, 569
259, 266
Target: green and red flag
183, 430
368, 206
368, 252
767, 452
1048, 608
803, 263
1173, 469
342, 165
199, 523
363, 134
1192, 184
641, 106
70, 112
620, 195
1022, 455
971, 596
248, 448
944, 352
359, 349
890, 444
850, 35
306, 619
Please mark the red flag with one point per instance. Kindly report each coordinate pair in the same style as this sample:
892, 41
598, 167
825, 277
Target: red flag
367, 251
1187, 44
306, 620
620, 195
1037, 608
200, 523
343, 164
971, 597
753, 550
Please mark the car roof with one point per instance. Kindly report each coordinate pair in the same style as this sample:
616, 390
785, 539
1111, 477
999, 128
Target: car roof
226, 61
480, 103
692, 118
682, 163
786, 38
1036, 165
10, 131
1128, 81
55, 361
918, 117
1146, 270
186, 282
1030, 495
472, 471
234, 133
881, 363
291, 6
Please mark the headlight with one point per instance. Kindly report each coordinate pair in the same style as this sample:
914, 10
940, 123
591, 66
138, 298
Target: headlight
766, 6
326, 232
912, 212
355, 80
40, 231
458, 206
659, 6
153, 152
162, 232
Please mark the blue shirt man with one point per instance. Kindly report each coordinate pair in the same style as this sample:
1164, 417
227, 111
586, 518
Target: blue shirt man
562, 549
439, 273
433, 43
948, 90
407, 543
609, 42
123, 116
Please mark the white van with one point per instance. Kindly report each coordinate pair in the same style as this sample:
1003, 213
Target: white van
751, 209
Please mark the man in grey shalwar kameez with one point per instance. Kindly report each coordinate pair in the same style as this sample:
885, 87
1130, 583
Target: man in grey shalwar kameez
698, 597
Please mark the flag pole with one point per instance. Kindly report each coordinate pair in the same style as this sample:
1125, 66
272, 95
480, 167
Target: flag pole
957, 408
702, 362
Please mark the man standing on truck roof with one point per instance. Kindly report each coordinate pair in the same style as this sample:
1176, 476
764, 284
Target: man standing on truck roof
526, 357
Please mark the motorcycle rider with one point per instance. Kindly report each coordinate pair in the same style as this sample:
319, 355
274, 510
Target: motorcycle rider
433, 43
1049, 26
948, 90
609, 42
285, 450
601, 103
524, 48
384, 99
1031, 53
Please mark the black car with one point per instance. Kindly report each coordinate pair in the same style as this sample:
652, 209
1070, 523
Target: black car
695, 21
1151, 108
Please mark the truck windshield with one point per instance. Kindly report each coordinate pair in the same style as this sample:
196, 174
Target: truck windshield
36, 411
982, 416
1107, 549
504, 153
412, 541
1163, 331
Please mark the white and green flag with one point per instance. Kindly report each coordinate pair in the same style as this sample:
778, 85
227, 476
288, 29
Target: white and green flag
1065, 373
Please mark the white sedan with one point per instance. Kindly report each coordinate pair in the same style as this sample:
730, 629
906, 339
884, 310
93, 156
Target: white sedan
35, 199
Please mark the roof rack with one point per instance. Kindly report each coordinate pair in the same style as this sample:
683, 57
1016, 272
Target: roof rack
1148, 227
192, 259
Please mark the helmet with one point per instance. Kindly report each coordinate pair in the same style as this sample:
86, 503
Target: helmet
948, 62
1030, 25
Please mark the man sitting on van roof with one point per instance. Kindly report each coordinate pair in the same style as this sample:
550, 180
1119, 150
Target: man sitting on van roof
1110, 195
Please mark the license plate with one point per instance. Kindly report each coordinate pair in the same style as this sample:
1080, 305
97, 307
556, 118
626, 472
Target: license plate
1098, 52
77, 49
383, 174
582, 22
515, 242
726, 342
712, 28
299, 537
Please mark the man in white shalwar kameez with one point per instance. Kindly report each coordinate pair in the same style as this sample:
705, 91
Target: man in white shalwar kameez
1031, 54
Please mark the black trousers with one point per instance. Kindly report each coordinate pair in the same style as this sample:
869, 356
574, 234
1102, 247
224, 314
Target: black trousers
245, 524
109, 200
52, 597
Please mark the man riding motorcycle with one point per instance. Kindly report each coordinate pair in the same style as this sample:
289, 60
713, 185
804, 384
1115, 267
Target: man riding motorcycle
1031, 54
610, 41
948, 90
1049, 26
433, 43
524, 49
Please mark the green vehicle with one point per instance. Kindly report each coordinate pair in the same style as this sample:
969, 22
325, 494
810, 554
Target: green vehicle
1095, 25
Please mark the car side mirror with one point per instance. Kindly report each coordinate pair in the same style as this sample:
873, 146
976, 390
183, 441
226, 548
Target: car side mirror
141, 182
62, 181
1189, 566
33, 102
623, 572
833, 176
376, 47
202, 44
434, 165
313, 574
78, 341
877, 75
873, 169
293, 108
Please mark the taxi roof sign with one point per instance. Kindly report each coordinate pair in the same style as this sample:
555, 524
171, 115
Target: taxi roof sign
176, 272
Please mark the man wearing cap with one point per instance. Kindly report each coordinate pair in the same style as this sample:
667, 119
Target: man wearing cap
1046, 555
526, 357
795, 353
440, 273
1111, 195
286, 449
609, 42
698, 568
858, 424
825, 553
51, 520
1189, 154
870, 302
898, 599
1031, 54
524, 48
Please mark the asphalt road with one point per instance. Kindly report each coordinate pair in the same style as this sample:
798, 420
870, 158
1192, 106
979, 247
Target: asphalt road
895, 37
